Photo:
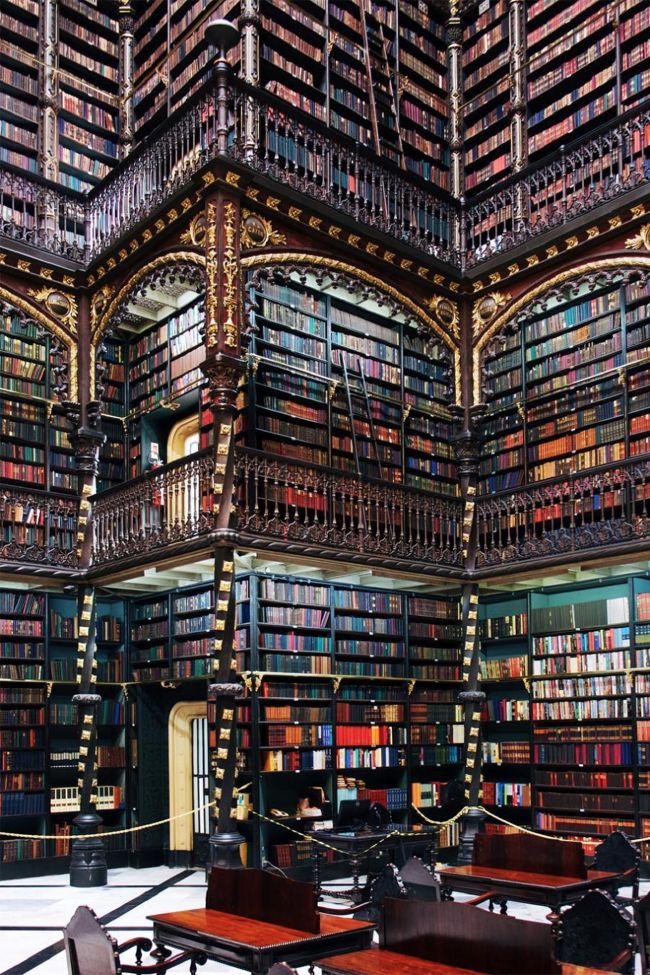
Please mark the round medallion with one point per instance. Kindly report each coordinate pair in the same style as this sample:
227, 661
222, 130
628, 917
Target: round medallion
255, 231
58, 304
445, 312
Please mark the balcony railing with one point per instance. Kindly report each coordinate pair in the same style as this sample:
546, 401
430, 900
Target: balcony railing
280, 502
557, 520
38, 529
291, 149
579, 178
322, 508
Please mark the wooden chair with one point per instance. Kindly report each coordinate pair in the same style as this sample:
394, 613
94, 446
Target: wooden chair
617, 855
642, 918
90, 950
597, 933
419, 881
281, 968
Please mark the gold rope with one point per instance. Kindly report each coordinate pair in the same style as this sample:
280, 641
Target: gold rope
524, 829
436, 822
101, 836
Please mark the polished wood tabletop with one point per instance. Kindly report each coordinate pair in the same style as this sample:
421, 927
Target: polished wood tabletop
526, 878
378, 961
258, 934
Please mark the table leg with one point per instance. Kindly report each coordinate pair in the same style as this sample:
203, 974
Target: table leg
555, 919
446, 893
316, 858
504, 905
160, 952
356, 887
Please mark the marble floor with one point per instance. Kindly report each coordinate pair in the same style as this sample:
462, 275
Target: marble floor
33, 913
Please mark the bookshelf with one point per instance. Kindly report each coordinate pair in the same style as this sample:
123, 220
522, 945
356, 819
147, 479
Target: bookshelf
88, 112
486, 85
387, 415
581, 709
572, 384
503, 635
19, 85
34, 447
149, 651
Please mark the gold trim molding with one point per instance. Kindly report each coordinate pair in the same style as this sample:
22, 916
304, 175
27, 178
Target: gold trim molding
51, 325
640, 241
606, 264
485, 309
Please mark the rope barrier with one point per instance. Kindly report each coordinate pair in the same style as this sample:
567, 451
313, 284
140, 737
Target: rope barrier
113, 832
437, 822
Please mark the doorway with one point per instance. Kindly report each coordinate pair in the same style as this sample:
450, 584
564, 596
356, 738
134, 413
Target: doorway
189, 784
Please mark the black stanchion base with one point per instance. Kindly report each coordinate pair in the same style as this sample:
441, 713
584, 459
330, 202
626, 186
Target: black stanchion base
471, 824
88, 867
224, 850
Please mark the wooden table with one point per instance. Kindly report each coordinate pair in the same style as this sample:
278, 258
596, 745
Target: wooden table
255, 946
380, 962
524, 886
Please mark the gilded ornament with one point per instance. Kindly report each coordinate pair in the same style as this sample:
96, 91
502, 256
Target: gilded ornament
552, 251
372, 248
640, 241
252, 193
334, 231
159, 225
146, 235
423, 271
230, 274
60, 305
513, 268
3, 257
354, 240
406, 264
212, 327
389, 256
172, 215
272, 202
638, 210
532, 260
315, 222
571, 242
134, 245
295, 213
445, 311
46, 272
233, 178
208, 178
195, 233
23, 265
615, 222
592, 232
256, 231
495, 277
485, 310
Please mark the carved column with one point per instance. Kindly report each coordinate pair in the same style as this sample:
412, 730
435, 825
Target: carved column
249, 25
126, 14
88, 858
454, 38
518, 100
48, 92
223, 368
467, 450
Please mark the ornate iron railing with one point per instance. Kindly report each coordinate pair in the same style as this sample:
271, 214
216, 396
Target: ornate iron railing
580, 178
290, 148
320, 507
575, 514
40, 214
288, 501
38, 529
167, 505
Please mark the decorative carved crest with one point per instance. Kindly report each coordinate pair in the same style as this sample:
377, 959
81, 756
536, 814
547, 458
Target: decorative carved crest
640, 241
485, 309
257, 231
60, 305
445, 312
195, 233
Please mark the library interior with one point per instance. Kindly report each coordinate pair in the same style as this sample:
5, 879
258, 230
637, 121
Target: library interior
325, 485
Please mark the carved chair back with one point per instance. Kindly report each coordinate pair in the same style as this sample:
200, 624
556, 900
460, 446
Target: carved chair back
264, 896
89, 949
419, 881
617, 855
597, 933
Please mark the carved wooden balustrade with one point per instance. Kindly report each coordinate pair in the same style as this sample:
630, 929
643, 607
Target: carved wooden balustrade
294, 150
285, 504
326, 509
167, 505
41, 214
38, 529
608, 508
578, 178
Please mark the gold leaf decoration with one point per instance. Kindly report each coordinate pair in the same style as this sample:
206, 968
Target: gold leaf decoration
485, 309
257, 231
640, 241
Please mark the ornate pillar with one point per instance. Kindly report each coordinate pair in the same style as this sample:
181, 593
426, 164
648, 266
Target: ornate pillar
88, 858
223, 368
48, 92
454, 38
518, 100
467, 450
249, 25
126, 14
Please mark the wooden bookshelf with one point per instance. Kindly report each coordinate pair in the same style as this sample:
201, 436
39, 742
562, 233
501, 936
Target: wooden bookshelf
486, 96
19, 84
572, 384
387, 416
503, 634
